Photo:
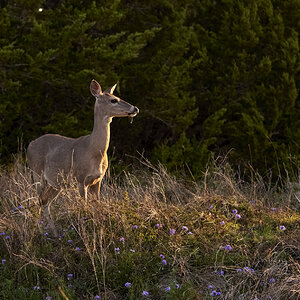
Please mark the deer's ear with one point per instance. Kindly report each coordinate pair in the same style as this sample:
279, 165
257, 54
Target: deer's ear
95, 88
110, 90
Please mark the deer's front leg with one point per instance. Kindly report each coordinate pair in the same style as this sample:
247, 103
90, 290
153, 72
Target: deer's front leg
90, 180
95, 189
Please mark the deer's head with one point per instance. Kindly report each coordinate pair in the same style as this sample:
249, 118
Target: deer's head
109, 104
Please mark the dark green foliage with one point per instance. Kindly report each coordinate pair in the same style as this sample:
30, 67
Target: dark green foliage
208, 77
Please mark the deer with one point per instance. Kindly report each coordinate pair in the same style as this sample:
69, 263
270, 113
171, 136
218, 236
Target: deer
53, 157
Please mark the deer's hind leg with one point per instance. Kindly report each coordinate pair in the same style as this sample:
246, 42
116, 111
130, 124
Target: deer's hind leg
47, 197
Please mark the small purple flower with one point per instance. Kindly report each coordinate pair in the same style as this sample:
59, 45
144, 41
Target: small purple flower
46, 233
128, 284
234, 211
97, 297
228, 247
3, 261
70, 276
221, 272
272, 280
167, 289
70, 241
7, 237
172, 231
134, 226
210, 207
158, 225
145, 293
48, 298
222, 223
282, 228
131, 250
177, 286
161, 256
210, 286
189, 232
117, 250
273, 208
122, 240
213, 293
2, 233
20, 206
239, 270
185, 228
247, 269
237, 216
77, 249
164, 262
36, 288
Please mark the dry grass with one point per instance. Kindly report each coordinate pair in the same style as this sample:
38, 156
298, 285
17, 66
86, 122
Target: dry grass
263, 261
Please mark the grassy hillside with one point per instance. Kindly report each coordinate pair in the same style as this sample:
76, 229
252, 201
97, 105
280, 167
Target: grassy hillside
152, 237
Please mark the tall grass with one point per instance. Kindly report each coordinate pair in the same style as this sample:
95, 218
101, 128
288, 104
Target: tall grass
222, 238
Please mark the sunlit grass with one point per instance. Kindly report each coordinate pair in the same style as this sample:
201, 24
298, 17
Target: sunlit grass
151, 236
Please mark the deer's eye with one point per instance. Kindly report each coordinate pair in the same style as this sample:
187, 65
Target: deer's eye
113, 100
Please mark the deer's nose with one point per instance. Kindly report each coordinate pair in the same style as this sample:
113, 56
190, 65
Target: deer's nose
136, 110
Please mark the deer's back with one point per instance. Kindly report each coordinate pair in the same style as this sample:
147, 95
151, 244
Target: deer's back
50, 147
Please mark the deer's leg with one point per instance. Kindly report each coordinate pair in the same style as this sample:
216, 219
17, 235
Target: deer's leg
48, 196
95, 189
90, 181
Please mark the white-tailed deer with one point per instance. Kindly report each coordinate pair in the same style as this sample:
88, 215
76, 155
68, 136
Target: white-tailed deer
85, 158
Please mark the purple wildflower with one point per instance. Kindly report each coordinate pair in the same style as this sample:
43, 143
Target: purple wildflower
97, 297
282, 228
48, 298
237, 216
158, 225
164, 262
185, 228
210, 286
172, 231
122, 240
145, 293
177, 286
221, 272
70, 241
161, 256
36, 288
239, 270
3, 261
134, 226
70, 276
222, 223
272, 280
131, 250
77, 249
234, 211
210, 207
228, 247
128, 284
167, 288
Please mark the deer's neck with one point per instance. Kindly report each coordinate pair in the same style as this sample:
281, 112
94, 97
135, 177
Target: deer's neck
100, 136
